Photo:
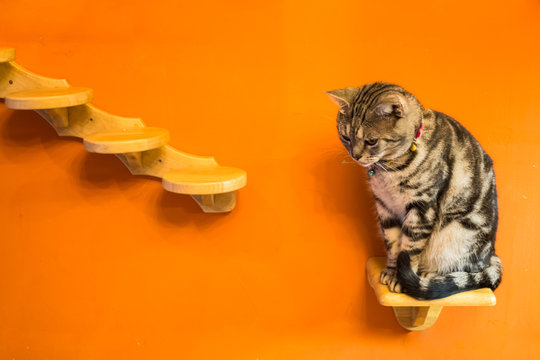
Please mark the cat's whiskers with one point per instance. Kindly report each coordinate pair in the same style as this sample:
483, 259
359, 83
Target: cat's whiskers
381, 166
388, 166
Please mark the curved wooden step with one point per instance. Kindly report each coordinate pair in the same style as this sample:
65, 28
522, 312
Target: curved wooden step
7, 54
49, 98
415, 314
131, 140
202, 181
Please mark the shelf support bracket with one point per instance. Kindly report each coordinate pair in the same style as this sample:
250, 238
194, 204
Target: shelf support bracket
216, 203
134, 159
58, 118
415, 318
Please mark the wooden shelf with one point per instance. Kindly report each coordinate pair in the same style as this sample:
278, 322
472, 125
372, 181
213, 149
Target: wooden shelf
7, 54
49, 98
204, 180
142, 149
415, 314
131, 140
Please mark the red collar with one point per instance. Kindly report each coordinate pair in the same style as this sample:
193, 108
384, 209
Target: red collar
419, 132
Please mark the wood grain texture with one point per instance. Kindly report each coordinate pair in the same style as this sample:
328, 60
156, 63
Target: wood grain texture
14, 78
200, 180
417, 318
130, 140
49, 98
157, 162
7, 54
479, 297
216, 203
85, 120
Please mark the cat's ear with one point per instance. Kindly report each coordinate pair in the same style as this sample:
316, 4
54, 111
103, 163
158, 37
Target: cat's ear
389, 109
391, 105
343, 97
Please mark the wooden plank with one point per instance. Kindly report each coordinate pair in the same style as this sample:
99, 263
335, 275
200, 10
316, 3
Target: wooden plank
204, 180
130, 140
49, 98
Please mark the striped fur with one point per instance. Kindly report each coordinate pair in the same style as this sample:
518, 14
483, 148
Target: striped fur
437, 206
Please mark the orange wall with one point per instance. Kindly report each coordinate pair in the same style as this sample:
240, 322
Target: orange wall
96, 263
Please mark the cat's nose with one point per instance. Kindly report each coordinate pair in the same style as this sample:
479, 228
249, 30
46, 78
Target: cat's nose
356, 154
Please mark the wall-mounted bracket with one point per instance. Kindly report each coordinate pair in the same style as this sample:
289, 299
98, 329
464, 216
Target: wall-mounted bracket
134, 159
216, 203
58, 118
413, 314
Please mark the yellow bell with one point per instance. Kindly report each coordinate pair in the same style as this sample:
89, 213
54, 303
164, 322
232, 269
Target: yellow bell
413, 147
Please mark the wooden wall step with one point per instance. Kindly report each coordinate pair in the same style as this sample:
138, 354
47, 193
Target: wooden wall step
49, 98
142, 149
414, 314
130, 140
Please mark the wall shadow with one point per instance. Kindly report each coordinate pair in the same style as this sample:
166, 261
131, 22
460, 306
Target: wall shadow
346, 190
380, 320
174, 210
103, 171
22, 130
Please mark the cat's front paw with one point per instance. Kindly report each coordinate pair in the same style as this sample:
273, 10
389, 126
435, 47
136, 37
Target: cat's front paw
388, 277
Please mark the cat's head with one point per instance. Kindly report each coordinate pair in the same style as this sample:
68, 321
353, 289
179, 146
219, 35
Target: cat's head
376, 121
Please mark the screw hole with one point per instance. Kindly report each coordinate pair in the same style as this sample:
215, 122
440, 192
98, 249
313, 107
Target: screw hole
160, 160
91, 119
10, 82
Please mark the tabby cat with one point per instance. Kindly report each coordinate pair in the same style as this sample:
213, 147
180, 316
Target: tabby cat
434, 189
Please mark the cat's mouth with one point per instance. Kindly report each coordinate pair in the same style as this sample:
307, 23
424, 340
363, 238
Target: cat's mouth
367, 163
364, 164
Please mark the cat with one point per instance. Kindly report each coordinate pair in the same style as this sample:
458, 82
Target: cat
434, 189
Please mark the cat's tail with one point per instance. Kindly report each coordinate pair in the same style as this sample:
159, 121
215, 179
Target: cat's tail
439, 286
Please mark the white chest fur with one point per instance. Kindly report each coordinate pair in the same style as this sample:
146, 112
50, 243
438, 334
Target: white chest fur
385, 187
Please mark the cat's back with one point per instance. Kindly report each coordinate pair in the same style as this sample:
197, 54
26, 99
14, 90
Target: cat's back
457, 138
450, 167
468, 186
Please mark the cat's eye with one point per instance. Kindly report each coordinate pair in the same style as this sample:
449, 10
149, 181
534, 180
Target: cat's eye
371, 142
346, 138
